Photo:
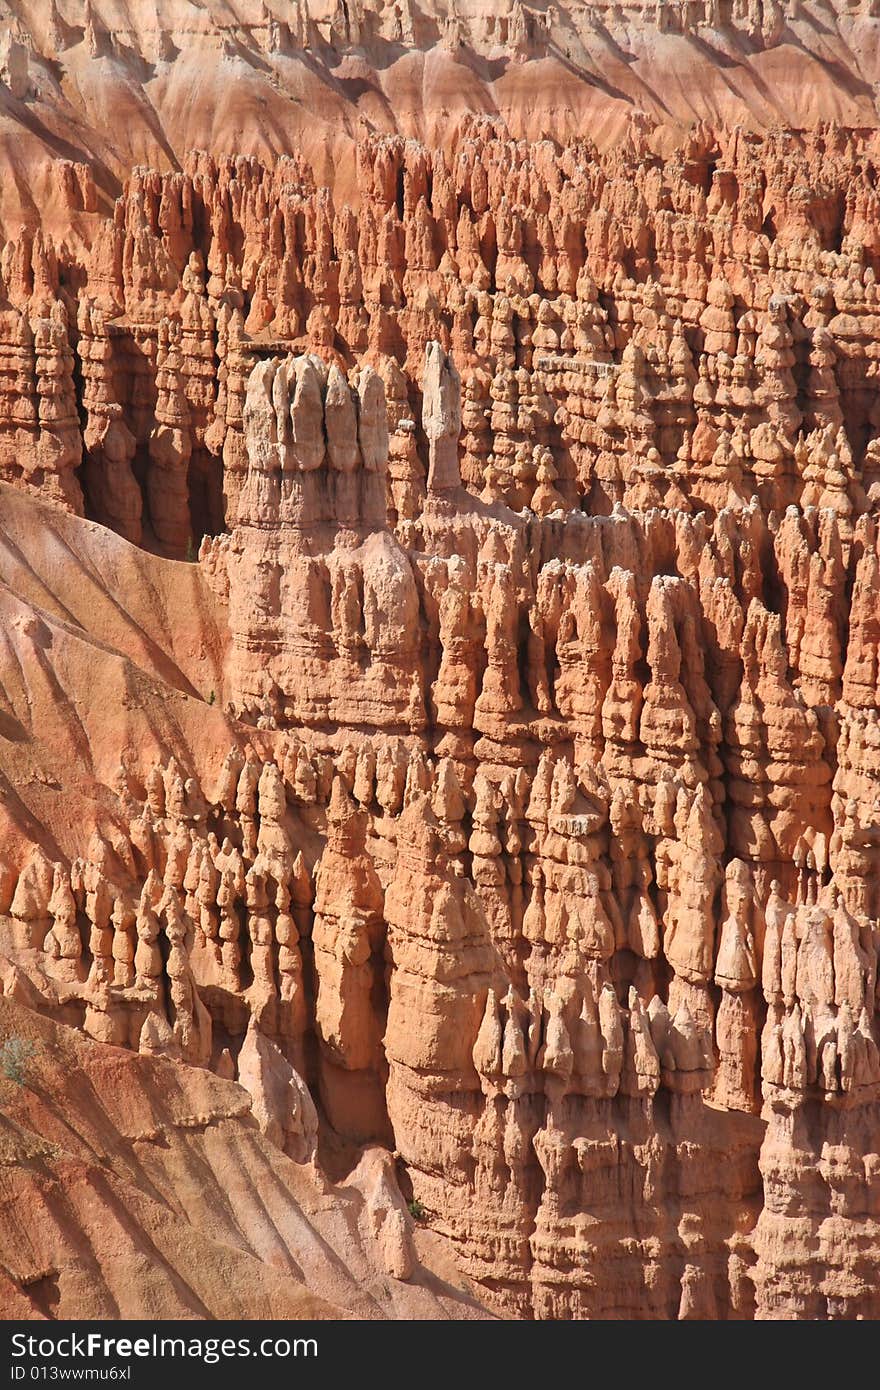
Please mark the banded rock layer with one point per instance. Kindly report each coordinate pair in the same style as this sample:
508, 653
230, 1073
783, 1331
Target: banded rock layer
109, 84
686, 332
543, 851
439, 691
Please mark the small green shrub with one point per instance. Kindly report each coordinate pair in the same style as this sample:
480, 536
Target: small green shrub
191, 553
417, 1209
15, 1054
211, 698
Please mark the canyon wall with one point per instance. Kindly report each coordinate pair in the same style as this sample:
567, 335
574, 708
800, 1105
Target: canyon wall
439, 684
683, 332
106, 85
543, 851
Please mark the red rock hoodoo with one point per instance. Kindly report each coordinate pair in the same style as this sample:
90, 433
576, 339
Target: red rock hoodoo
440, 662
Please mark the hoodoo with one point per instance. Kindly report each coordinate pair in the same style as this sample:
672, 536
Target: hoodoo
440, 660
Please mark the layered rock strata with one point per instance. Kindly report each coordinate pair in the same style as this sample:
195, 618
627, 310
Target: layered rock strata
683, 332
439, 666
543, 851
94, 87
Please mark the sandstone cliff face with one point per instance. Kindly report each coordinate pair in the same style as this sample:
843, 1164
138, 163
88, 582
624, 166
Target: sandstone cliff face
682, 333
94, 87
542, 851
439, 692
